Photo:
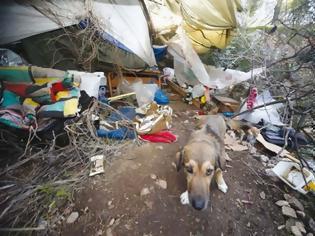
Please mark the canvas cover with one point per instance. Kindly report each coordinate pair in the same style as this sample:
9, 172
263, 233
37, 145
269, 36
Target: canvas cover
123, 20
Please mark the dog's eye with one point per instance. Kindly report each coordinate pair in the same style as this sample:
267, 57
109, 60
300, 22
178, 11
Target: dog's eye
208, 171
189, 169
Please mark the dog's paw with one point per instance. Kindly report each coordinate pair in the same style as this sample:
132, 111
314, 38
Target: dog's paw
184, 199
223, 187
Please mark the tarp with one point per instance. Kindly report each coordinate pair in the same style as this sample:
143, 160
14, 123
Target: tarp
210, 23
122, 19
190, 69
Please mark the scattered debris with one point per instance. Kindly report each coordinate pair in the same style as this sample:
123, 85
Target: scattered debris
144, 191
264, 158
72, 217
97, 165
111, 222
161, 183
153, 176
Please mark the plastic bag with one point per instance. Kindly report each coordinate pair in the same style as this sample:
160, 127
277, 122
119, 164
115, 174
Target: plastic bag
268, 114
144, 92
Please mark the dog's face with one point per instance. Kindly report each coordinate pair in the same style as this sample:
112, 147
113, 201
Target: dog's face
199, 173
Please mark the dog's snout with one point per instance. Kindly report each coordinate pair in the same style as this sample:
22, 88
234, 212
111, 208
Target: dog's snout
198, 203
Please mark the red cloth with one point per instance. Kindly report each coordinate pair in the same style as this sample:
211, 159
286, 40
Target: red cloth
251, 98
161, 137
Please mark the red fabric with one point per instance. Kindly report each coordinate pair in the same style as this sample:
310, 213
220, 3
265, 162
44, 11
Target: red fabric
19, 89
55, 88
161, 137
251, 98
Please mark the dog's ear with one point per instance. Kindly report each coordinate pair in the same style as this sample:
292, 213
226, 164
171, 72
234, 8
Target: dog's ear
179, 160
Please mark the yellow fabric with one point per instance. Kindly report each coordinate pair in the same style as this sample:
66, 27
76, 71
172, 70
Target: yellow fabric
62, 94
71, 107
208, 23
30, 102
14, 67
41, 81
203, 40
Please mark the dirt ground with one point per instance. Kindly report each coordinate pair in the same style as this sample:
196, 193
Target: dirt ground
110, 204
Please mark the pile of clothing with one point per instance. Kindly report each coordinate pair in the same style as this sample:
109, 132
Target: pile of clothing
34, 97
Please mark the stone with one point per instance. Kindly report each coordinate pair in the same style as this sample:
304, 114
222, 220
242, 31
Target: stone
301, 213
161, 183
149, 204
264, 158
72, 217
153, 176
144, 191
112, 221
159, 147
281, 203
186, 121
294, 202
290, 222
281, 227
295, 231
301, 226
262, 195
288, 211
311, 224
109, 232
310, 234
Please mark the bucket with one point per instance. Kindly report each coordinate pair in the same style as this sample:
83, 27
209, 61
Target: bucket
290, 173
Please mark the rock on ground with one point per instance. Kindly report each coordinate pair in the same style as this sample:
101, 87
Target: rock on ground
281, 203
295, 231
288, 211
72, 217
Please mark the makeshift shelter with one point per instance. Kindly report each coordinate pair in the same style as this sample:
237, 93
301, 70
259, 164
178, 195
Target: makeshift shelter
119, 23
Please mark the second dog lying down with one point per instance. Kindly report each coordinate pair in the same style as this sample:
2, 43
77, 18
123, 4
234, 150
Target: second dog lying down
203, 158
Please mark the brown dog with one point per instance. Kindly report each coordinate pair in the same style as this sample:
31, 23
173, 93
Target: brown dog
202, 158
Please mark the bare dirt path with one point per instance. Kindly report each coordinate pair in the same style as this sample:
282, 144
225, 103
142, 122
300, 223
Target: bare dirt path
111, 204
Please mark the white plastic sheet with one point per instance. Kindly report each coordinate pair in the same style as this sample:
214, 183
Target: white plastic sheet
122, 19
269, 113
190, 69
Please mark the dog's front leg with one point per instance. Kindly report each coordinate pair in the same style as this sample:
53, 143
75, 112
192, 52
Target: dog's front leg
220, 181
184, 198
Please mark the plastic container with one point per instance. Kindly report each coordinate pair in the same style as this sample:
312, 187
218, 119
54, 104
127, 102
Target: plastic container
290, 173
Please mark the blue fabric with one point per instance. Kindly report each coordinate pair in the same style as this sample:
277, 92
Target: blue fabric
159, 52
121, 133
277, 136
105, 36
128, 112
10, 98
161, 98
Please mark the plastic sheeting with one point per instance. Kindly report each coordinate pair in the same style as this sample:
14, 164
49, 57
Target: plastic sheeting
122, 19
190, 69
210, 23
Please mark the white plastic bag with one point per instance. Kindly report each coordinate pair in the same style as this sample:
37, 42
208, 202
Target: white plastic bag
144, 92
269, 113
